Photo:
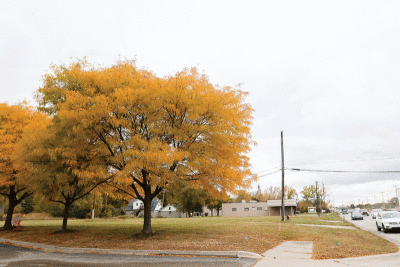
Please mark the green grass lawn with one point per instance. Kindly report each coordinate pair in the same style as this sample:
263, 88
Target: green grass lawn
206, 233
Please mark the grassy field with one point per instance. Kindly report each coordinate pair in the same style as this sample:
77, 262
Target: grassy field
253, 234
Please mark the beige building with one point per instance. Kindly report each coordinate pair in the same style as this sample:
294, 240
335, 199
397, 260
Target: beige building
269, 208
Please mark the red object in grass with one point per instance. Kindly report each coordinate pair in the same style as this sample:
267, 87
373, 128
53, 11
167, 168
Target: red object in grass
19, 223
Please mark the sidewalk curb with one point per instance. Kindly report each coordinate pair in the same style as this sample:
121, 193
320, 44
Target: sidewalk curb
49, 248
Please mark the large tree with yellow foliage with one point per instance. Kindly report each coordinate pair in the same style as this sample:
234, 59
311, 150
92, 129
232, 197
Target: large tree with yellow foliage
153, 130
67, 165
13, 122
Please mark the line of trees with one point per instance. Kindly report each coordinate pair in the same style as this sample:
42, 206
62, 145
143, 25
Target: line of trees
124, 131
269, 193
309, 199
190, 199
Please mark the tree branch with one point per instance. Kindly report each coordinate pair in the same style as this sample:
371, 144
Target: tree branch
120, 189
136, 192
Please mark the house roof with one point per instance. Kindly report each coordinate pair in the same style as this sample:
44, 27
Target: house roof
173, 208
130, 205
154, 204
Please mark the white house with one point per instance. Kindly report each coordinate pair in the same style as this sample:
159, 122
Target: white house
136, 206
171, 211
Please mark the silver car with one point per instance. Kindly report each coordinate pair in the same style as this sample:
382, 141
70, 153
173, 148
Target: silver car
375, 212
388, 220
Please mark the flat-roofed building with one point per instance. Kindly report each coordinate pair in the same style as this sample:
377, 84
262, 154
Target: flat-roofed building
245, 209
275, 207
269, 208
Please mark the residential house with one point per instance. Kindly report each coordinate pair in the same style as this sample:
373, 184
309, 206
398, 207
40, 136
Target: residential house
171, 211
136, 206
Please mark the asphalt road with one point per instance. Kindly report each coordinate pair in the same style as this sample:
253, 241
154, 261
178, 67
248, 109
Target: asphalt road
369, 224
18, 256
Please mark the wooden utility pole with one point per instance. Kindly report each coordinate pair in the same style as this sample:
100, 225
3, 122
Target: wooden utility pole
283, 180
318, 203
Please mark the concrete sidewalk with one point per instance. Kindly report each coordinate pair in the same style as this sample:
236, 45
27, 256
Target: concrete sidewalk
298, 253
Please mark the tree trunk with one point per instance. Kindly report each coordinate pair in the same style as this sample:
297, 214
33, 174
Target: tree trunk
12, 202
147, 213
66, 212
11, 206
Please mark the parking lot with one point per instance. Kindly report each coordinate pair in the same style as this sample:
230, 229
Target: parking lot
368, 224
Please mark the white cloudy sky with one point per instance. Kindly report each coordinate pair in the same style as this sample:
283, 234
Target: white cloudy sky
323, 72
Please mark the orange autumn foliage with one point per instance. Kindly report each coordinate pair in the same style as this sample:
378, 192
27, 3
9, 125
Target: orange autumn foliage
66, 165
153, 131
14, 120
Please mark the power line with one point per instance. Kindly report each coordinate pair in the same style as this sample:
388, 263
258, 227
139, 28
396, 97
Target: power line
269, 173
341, 161
265, 171
308, 170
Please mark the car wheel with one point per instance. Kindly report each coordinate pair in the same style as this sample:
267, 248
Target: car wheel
377, 227
384, 229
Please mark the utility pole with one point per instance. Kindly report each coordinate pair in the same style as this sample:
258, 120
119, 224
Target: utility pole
94, 202
105, 210
383, 202
283, 180
163, 192
318, 203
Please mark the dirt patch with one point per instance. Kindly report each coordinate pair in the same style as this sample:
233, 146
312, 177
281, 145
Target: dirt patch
68, 231
143, 236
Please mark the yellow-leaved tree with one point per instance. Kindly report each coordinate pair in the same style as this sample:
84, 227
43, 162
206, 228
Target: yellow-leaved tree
67, 164
13, 122
152, 131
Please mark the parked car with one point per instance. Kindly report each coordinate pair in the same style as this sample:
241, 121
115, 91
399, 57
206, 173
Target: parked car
388, 220
355, 215
375, 212
364, 212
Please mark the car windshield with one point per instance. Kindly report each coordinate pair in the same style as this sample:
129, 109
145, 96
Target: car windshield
391, 215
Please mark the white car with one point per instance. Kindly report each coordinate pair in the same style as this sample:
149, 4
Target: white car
388, 220
375, 212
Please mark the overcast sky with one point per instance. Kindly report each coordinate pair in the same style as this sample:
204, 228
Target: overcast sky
326, 73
